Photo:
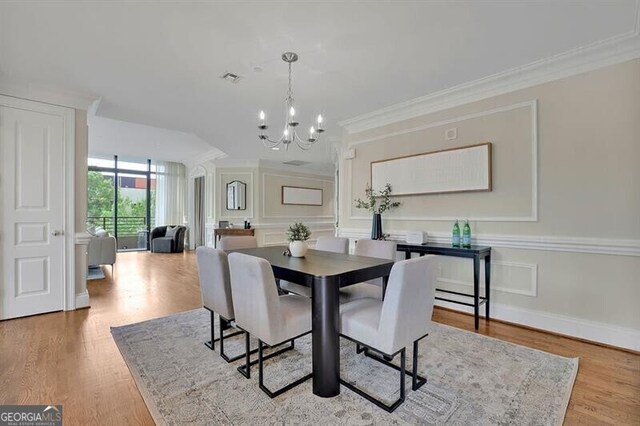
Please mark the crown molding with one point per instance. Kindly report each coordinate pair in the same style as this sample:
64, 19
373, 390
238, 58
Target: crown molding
231, 162
306, 169
47, 95
211, 155
611, 51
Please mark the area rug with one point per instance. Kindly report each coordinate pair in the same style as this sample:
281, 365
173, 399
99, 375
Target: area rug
472, 380
95, 273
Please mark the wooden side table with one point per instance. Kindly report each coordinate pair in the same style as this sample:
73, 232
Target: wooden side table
231, 232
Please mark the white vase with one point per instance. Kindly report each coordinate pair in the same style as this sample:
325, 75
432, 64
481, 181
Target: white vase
298, 248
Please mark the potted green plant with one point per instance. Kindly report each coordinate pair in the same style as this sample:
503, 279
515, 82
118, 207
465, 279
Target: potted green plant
297, 235
376, 207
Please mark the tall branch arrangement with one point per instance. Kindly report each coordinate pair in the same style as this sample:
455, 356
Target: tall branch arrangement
371, 202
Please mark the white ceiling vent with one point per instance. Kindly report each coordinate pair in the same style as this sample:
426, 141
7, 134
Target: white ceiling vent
295, 163
231, 77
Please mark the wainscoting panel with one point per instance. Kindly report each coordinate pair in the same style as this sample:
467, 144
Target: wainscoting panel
506, 277
208, 235
279, 237
272, 207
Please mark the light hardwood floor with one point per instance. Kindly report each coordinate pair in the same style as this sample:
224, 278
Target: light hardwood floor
70, 358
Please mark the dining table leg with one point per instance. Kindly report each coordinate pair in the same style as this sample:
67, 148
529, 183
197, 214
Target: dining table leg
325, 336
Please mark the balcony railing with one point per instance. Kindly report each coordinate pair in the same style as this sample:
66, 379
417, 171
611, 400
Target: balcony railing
132, 230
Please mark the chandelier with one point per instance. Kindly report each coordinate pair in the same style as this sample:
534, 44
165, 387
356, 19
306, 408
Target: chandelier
289, 133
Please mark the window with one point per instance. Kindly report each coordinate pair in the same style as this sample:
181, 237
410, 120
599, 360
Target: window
121, 199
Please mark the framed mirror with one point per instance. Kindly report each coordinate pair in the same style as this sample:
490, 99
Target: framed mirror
236, 195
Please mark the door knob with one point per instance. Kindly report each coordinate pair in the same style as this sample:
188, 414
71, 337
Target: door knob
56, 233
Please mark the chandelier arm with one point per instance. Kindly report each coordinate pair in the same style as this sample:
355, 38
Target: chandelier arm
273, 143
303, 144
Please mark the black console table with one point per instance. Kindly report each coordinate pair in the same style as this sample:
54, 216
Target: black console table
476, 253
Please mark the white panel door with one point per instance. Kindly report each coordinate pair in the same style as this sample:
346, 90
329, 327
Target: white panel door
32, 215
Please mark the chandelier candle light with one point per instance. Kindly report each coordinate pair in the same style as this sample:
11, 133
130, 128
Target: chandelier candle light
289, 134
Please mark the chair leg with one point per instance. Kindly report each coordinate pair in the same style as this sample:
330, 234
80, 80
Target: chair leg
270, 393
389, 408
245, 369
211, 343
416, 380
223, 325
403, 360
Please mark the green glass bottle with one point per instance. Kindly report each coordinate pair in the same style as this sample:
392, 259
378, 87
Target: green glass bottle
455, 238
466, 235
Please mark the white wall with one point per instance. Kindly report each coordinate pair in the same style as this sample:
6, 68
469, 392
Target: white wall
564, 214
264, 208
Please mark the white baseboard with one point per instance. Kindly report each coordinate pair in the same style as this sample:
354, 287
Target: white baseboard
574, 327
82, 300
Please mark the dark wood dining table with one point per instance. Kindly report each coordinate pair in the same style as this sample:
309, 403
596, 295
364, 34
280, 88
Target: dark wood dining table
325, 273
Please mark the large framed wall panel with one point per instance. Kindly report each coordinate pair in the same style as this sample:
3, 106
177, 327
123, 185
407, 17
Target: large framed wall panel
296, 195
463, 169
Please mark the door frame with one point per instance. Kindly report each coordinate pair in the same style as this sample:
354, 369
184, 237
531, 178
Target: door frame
68, 189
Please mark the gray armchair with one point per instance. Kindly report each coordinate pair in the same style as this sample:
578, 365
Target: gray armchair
172, 241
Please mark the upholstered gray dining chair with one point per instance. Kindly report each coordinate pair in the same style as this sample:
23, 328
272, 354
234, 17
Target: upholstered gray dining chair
215, 287
373, 288
332, 244
263, 314
236, 243
388, 327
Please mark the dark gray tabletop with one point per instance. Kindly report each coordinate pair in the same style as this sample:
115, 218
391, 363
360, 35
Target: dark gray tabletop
345, 269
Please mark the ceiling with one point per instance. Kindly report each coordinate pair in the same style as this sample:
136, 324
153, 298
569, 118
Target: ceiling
158, 63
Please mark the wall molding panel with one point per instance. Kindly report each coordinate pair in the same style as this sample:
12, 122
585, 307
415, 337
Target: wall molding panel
264, 204
498, 283
615, 247
279, 238
208, 234
531, 217
314, 225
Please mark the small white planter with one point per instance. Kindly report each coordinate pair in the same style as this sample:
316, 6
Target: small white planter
298, 248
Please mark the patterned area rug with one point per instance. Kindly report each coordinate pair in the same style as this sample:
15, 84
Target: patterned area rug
472, 380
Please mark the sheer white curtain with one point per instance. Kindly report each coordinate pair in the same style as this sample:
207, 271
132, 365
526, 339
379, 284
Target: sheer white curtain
170, 193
